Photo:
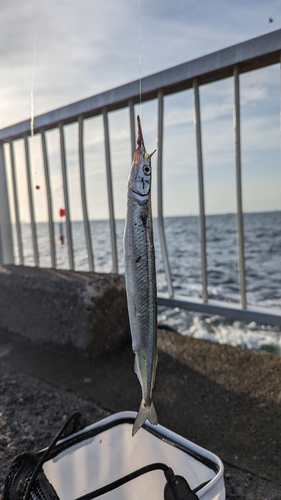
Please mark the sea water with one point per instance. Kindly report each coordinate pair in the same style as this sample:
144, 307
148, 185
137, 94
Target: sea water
262, 232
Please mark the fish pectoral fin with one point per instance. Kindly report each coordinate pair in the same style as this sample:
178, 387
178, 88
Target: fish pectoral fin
145, 413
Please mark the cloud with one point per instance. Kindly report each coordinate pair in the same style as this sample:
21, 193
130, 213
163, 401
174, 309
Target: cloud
86, 47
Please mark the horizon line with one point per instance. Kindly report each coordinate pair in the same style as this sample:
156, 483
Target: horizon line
155, 217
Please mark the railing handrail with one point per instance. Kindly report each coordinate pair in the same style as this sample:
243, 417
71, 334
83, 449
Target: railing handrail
255, 53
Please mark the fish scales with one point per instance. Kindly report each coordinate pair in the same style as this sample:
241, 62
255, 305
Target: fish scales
140, 277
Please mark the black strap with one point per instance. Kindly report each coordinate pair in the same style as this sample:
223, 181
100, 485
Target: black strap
123, 480
169, 474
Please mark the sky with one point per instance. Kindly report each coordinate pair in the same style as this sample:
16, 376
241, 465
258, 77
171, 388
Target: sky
63, 51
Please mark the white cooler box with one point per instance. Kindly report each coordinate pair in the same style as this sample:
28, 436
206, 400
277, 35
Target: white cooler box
105, 452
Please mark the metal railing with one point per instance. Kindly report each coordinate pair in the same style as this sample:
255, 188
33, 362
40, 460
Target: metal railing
230, 62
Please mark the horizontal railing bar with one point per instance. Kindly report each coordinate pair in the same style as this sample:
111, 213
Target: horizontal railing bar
252, 54
226, 309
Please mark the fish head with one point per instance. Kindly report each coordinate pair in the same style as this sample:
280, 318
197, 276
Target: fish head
140, 176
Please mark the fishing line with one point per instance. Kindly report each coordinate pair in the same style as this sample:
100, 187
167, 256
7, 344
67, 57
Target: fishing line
33, 74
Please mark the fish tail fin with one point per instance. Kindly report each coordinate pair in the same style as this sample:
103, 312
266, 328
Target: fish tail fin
145, 413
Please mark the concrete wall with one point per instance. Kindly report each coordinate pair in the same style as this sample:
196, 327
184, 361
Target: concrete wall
81, 311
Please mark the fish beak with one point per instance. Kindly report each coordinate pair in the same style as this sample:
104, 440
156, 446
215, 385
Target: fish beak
140, 136
140, 151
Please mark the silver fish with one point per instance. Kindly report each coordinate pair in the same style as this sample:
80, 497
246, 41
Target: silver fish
140, 277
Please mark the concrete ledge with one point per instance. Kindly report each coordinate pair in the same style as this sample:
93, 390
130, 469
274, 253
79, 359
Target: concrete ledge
85, 312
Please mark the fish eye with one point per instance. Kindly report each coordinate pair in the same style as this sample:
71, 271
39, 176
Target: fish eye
147, 169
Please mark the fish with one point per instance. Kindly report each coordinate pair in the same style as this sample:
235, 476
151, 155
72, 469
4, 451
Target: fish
140, 278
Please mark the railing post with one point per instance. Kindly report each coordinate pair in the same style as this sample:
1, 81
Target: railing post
240, 229
6, 239
83, 195
66, 200
110, 192
202, 225
49, 199
16, 203
30, 199
132, 127
160, 217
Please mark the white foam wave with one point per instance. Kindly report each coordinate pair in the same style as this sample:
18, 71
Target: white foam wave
237, 333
